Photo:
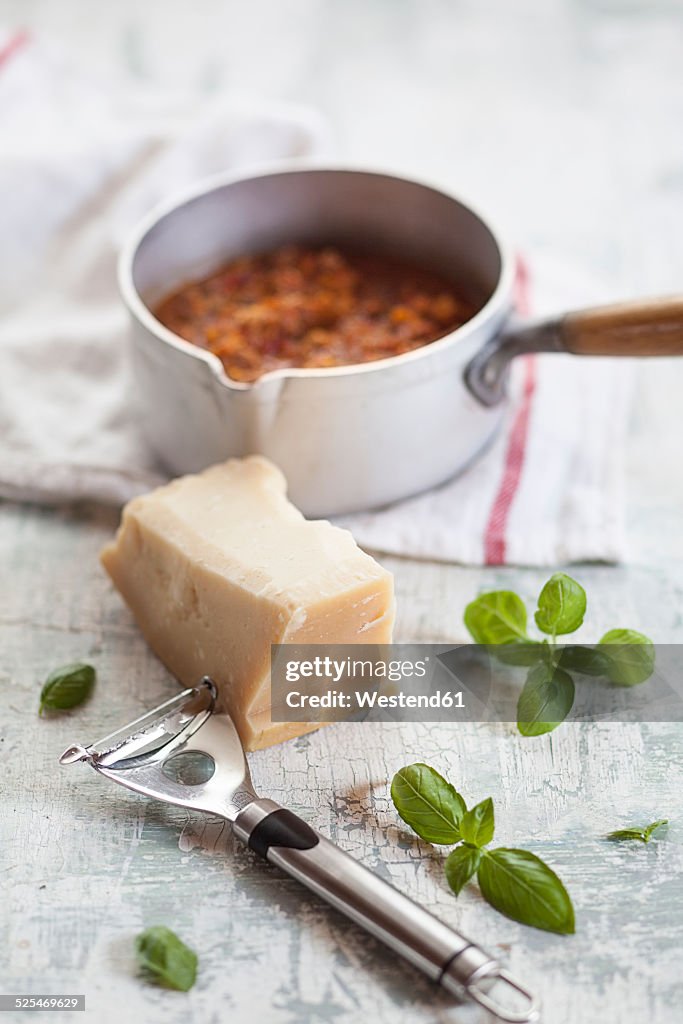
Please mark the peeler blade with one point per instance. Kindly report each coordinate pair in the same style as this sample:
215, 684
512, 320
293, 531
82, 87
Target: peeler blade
151, 756
152, 730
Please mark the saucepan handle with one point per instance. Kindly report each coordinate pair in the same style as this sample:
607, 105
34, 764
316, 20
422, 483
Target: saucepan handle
445, 955
652, 328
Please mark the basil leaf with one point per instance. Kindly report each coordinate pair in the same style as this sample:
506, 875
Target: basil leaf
628, 833
546, 699
521, 886
527, 653
642, 834
165, 959
429, 804
67, 687
655, 825
477, 825
631, 656
588, 661
561, 605
461, 863
498, 617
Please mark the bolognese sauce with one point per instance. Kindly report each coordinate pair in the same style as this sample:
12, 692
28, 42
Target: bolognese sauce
312, 307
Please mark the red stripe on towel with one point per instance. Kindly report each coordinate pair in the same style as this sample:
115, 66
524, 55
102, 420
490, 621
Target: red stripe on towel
12, 45
521, 288
495, 544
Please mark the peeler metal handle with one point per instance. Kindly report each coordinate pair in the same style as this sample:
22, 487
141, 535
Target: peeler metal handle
445, 955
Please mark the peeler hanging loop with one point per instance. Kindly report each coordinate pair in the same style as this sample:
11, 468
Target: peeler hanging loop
481, 996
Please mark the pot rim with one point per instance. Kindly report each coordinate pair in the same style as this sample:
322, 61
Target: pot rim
497, 303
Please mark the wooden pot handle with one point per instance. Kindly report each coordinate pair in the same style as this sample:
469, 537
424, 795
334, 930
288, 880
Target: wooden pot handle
653, 328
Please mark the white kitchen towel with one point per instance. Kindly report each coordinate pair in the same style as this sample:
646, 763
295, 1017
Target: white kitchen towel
80, 161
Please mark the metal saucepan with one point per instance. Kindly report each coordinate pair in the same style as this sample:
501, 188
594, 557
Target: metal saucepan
350, 437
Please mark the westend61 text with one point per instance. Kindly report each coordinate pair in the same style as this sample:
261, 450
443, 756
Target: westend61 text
372, 699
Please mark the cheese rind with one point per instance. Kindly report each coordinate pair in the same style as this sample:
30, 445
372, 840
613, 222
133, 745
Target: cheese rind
218, 566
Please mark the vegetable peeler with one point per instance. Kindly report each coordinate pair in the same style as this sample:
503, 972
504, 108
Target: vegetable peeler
186, 755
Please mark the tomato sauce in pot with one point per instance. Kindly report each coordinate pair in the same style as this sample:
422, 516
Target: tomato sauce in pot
312, 307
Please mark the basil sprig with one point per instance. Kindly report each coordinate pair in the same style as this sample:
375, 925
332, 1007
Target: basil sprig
165, 959
517, 883
623, 656
67, 687
643, 835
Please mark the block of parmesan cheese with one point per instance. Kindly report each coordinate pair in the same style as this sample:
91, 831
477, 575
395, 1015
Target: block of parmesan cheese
217, 567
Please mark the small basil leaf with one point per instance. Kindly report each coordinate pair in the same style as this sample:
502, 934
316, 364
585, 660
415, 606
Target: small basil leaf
631, 656
561, 605
428, 803
641, 834
588, 661
67, 687
628, 833
546, 699
521, 886
527, 653
461, 864
655, 825
165, 959
498, 617
477, 825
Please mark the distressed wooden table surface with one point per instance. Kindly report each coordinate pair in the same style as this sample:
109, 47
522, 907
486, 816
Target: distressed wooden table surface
564, 119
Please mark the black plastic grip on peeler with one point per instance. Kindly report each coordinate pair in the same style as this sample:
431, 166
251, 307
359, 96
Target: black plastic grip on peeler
282, 828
